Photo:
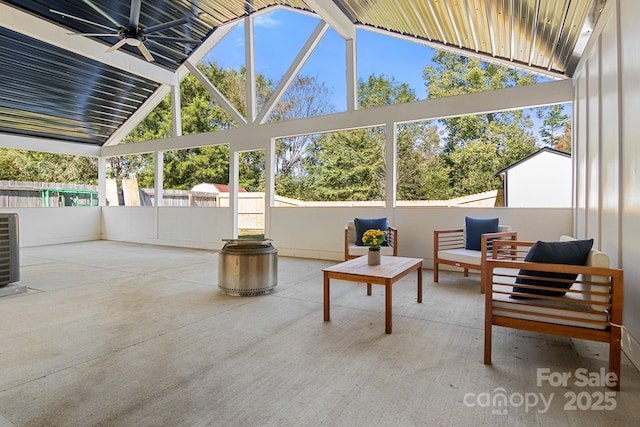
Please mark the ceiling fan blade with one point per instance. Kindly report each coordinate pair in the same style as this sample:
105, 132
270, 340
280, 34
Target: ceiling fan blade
134, 14
86, 21
116, 46
93, 35
95, 7
172, 39
145, 52
160, 47
160, 27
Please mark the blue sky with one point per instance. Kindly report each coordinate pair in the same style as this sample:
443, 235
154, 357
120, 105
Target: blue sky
280, 35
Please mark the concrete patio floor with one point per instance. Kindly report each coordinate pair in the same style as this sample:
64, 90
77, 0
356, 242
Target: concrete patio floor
118, 334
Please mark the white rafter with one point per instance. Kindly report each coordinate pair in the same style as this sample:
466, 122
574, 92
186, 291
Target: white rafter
332, 14
215, 93
151, 103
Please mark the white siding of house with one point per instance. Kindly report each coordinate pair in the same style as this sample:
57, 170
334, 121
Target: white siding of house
544, 180
607, 151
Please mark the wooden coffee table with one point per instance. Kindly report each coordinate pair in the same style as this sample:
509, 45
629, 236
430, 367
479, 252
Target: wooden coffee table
390, 270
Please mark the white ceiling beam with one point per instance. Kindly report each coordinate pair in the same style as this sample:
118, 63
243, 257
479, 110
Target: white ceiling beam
512, 98
332, 14
294, 69
157, 97
37, 28
18, 142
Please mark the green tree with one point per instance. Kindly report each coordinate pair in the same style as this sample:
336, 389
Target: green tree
475, 147
421, 174
564, 143
350, 165
347, 165
199, 114
183, 169
23, 165
453, 74
305, 98
554, 125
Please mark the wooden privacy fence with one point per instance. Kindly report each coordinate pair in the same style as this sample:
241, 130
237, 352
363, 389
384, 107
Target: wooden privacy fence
19, 194
46, 194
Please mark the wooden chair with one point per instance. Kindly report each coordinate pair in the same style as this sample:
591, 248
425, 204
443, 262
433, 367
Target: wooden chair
351, 250
449, 249
591, 309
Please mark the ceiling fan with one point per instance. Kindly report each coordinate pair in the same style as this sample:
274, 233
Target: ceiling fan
130, 33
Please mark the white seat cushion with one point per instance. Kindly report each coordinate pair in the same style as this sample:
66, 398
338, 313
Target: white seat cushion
466, 256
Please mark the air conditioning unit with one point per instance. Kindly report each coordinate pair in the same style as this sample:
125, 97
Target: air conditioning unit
9, 252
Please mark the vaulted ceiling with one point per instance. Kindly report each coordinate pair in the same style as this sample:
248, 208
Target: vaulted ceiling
58, 85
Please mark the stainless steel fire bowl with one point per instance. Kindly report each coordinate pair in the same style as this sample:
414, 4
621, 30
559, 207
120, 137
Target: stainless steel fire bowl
247, 267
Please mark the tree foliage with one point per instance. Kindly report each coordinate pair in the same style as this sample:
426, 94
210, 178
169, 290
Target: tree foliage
305, 98
183, 169
435, 160
556, 128
350, 165
23, 165
475, 147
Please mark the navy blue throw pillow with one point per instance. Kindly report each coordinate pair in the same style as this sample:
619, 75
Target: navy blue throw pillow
475, 228
364, 224
573, 252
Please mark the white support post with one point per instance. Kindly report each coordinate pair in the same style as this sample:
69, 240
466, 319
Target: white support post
251, 69
102, 181
352, 80
270, 187
176, 108
176, 125
391, 168
159, 178
234, 166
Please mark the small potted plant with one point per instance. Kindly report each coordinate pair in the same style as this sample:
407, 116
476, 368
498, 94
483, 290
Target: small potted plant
374, 239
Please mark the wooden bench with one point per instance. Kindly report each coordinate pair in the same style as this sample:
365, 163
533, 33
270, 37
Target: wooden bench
449, 249
591, 309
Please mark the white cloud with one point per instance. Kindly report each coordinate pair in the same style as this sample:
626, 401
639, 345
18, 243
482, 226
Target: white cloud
267, 21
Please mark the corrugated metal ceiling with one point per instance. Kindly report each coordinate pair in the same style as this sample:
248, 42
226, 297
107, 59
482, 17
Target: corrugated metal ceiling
48, 92
56, 93
542, 34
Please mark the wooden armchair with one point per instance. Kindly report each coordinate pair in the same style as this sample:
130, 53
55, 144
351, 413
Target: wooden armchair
591, 309
449, 249
351, 250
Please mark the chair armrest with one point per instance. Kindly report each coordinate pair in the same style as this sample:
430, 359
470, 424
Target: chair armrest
392, 239
522, 269
449, 230
346, 242
452, 238
487, 240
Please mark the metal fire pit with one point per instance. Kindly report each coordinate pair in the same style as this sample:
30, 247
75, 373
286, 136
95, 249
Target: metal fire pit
247, 267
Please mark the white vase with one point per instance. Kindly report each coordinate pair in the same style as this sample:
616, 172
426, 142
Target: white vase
374, 256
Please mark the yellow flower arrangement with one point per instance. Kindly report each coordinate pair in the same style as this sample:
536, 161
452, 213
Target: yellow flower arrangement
374, 238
